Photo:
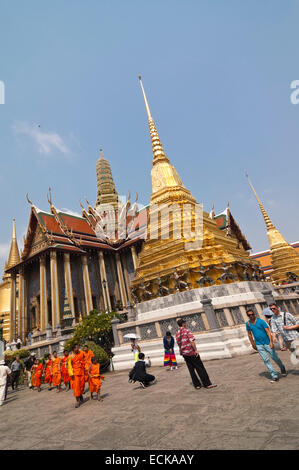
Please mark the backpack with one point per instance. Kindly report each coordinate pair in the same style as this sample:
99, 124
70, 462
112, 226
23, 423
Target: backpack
285, 321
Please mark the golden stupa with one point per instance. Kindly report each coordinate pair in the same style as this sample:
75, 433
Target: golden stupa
285, 259
209, 255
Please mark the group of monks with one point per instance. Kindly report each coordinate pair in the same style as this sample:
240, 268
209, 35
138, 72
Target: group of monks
74, 370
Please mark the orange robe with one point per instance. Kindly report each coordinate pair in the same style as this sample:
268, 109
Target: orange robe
95, 381
87, 361
76, 371
48, 378
38, 375
64, 370
33, 378
56, 372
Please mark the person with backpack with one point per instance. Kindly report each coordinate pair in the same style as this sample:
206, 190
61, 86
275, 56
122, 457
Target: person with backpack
261, 340
284, 323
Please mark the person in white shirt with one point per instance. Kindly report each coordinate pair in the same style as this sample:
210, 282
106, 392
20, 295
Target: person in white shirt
4, 373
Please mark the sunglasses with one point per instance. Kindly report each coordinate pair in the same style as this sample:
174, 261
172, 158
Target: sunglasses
273, 308
251, 314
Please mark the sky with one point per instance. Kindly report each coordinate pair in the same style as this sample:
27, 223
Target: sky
218, 80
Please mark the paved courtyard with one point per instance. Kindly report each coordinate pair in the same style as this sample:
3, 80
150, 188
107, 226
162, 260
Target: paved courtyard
245, 411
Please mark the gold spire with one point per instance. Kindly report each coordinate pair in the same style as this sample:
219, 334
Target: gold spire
158, 151
284, 257
14, 255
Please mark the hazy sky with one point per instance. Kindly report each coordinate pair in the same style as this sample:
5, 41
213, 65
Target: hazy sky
217, 75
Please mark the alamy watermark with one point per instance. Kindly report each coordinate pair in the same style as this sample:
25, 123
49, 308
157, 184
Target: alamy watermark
157, 221
2, 92
294, 97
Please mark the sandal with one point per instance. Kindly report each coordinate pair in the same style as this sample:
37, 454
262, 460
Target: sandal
211, 386
198, 388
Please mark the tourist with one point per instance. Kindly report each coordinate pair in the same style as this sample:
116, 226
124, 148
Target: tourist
139, 374
77, 374
64, 370
94, 378
269, 314
38, 374
4, 374
88, 354
16, 368
261, 340
19, 343
135, 349
169, 356
56, 372
28, 366
284, 323
188, 350
48, 371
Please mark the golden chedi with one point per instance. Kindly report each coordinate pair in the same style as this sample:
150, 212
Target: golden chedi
191, 256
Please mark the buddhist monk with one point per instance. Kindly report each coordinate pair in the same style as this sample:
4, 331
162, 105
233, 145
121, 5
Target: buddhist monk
56, 371
48, 371
38, 374
88, 354
64, 370
76, 370
33, 378
94, 378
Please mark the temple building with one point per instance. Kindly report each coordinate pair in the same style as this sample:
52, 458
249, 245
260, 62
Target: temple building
69, 266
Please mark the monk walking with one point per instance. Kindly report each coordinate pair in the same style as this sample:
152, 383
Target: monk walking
88, 354
64, 370
38, 374
94, 380
56, 371
76, 373
48, 371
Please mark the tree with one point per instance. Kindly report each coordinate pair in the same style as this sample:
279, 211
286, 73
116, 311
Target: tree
94, 327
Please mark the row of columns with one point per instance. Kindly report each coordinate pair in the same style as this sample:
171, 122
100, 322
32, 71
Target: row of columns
55, 303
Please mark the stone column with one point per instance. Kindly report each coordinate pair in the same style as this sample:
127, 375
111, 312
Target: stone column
44, 319
127, 279
13, 302
87, 287
22, 306
68, 282
210, 313
114, 323
104, 282
134, 257
121, 281
54, 291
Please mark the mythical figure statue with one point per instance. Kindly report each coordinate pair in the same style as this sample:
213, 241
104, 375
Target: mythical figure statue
179, 284
226, 275
204, 279
291, 277
145, 294
246, 274
135, 295
162, 290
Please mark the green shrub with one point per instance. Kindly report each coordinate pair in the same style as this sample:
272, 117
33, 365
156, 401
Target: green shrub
99, 352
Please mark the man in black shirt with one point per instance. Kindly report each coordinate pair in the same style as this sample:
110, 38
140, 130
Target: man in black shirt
139, 374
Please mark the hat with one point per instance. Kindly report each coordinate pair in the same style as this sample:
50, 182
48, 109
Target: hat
2, 362
267, 312
32, 354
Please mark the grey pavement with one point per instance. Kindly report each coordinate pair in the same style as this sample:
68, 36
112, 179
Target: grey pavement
245, 411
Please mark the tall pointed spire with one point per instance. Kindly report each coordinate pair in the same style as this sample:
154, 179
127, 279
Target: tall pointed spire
285, 258
106, 193
158, 151
14, 255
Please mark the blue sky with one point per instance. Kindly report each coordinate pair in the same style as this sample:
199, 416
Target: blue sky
217, 75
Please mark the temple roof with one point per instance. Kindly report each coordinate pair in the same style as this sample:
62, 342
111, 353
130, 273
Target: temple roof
225, 221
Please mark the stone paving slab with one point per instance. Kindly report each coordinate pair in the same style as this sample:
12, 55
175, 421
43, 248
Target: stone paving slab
245, 411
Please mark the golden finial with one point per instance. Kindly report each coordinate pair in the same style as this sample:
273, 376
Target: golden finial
49, 197
14, 255
268, 222
145, 99
101, 153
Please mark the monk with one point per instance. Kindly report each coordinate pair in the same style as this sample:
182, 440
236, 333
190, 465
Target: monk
56, 371
48, 369
38, 374
64, 370
88, 354
76, 369
94, 376
33, 378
